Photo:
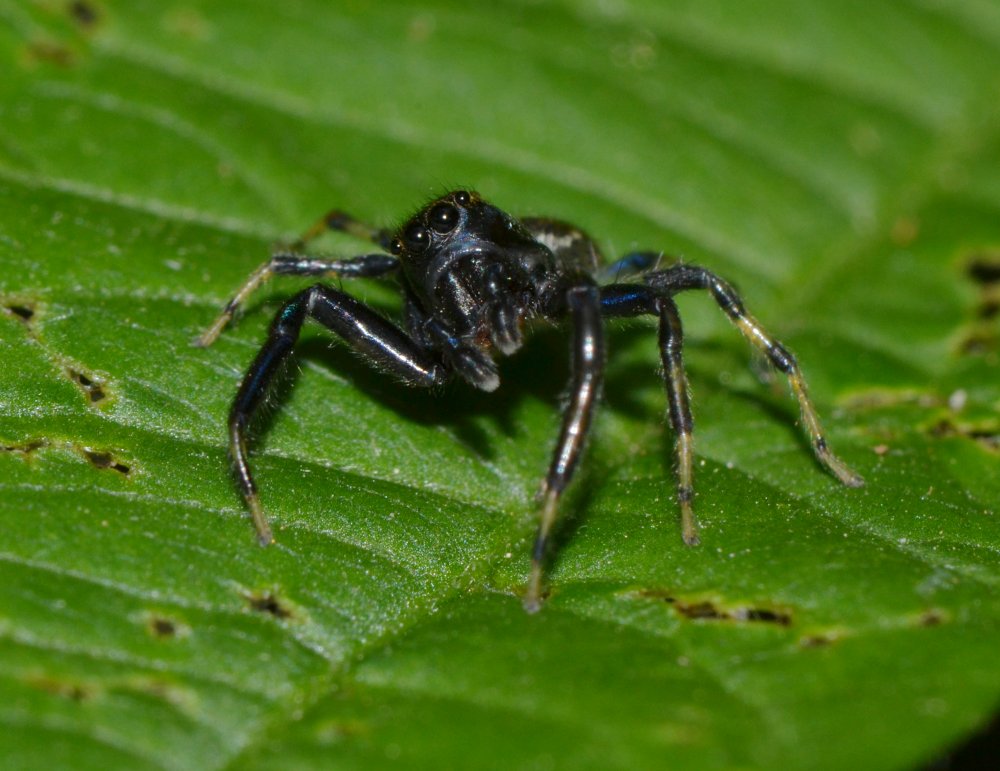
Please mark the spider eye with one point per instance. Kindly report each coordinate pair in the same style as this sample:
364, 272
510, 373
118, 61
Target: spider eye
462, 198
416, 238
396, 246
443, 218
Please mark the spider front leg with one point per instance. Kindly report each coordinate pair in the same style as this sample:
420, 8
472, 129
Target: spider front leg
583, 305
340, 221
380, 342
290, 262
683, 277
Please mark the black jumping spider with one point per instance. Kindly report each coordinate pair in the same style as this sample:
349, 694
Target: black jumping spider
471, 275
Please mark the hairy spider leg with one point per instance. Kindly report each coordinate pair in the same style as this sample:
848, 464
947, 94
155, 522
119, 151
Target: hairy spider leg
340, 221
679, 409
384, 345
584, 306
621, 300
631, 264
290, 261
293, 264
684, 277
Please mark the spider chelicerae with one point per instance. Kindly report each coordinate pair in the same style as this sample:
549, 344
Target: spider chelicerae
471, 276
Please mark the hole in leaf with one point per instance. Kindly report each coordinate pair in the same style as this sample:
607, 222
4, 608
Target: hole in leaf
932, 617
83, 13
163, 627
763, 615
21, 311
269, 602
92, 388
105, 460
986, 434
984, 337
25, 448
984, 269
707, 610
102, 459
699, 611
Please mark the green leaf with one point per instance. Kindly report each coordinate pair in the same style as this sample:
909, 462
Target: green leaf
836, 161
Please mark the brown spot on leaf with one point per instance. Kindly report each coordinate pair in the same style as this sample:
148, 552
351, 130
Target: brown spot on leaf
105, 460
821, 640
102, 459
67, 689
905, 231
698, 611
983, 335
92, 388
83, 13
984, 433
269, 602
932, 617
23, 312
51, 52
762, 616
984, 269
161, 627
25, 448
709, 610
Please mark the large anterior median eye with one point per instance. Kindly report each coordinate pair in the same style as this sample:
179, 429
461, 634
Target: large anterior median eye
416, 238
443, 218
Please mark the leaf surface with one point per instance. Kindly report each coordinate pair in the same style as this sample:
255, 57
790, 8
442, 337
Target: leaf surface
835, 161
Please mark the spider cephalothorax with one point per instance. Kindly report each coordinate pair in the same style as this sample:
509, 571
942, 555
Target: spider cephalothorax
471, 275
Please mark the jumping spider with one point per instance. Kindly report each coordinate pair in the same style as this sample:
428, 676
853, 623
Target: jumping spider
471, 276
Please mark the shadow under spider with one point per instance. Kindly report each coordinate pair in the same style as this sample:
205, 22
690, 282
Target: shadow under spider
456, 406
540, 370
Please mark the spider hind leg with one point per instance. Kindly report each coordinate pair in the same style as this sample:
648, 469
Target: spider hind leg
624, 300
683, 277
